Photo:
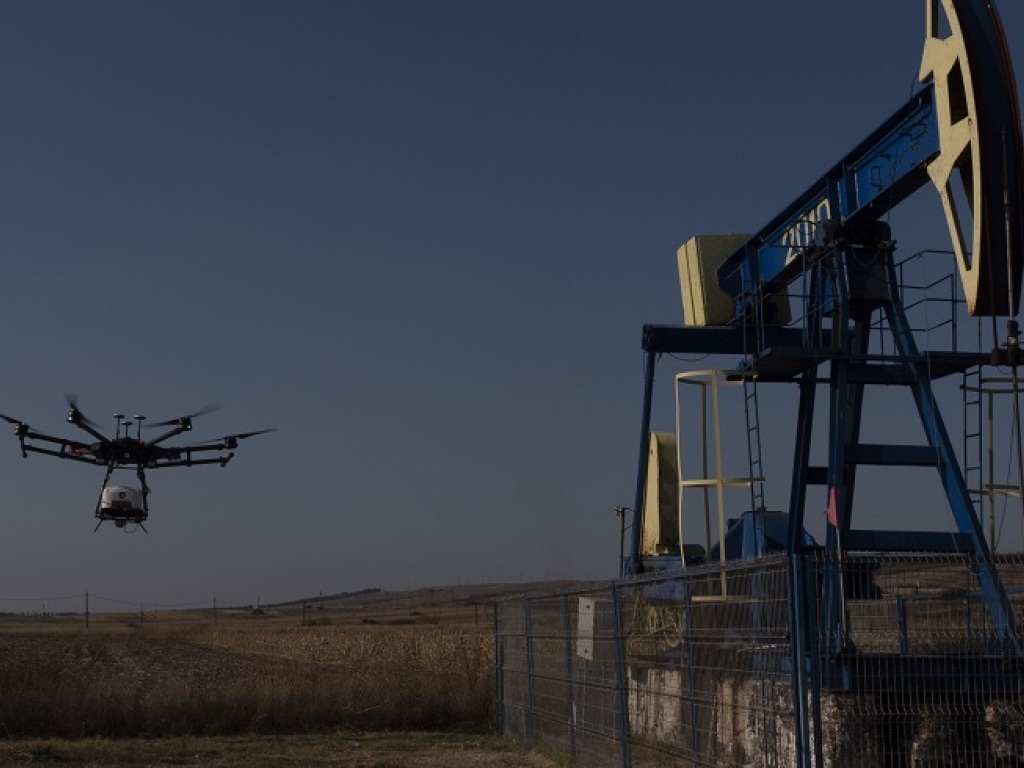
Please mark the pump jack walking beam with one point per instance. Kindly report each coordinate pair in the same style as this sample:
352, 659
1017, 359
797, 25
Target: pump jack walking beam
964, 128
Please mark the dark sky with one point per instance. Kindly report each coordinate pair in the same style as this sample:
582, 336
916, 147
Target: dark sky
419, 238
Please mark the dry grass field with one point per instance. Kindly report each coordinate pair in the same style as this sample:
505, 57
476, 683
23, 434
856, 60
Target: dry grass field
329, 750
376, 679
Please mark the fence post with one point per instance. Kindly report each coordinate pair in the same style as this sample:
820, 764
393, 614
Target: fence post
620, 676
570, 684
499, 671
901, 625
691, 668
530, 694
797, 634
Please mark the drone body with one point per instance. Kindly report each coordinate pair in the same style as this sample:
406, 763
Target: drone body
120, 504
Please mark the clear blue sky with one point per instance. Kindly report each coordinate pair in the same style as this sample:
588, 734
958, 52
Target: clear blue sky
420, 238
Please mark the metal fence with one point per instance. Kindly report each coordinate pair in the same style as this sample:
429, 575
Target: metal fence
716, 666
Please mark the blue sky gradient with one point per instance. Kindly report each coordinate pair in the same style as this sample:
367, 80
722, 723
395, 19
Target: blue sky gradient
420, 238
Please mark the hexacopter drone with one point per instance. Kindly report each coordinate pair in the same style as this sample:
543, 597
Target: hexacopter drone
121, 504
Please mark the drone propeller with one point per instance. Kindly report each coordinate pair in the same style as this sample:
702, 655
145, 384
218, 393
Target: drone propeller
9, 420
251, 434
186, 419
231, 441
76, 414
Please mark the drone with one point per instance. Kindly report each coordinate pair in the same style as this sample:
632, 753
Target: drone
127, 507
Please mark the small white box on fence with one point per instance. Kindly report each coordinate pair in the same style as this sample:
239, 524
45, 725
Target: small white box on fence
585, 629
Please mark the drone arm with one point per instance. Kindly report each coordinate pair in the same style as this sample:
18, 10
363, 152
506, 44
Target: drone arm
226, 443
69, 449
61, 453
188, 461
177, 430
79, 421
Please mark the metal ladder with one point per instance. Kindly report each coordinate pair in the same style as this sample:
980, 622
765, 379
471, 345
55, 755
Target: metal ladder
973, 445
756, 468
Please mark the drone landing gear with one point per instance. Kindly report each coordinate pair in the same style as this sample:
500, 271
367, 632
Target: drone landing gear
122, 505
121, 522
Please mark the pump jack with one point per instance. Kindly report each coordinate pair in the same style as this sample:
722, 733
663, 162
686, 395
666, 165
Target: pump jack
962, 131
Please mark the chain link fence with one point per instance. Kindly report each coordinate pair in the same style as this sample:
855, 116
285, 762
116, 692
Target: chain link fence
911, 664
